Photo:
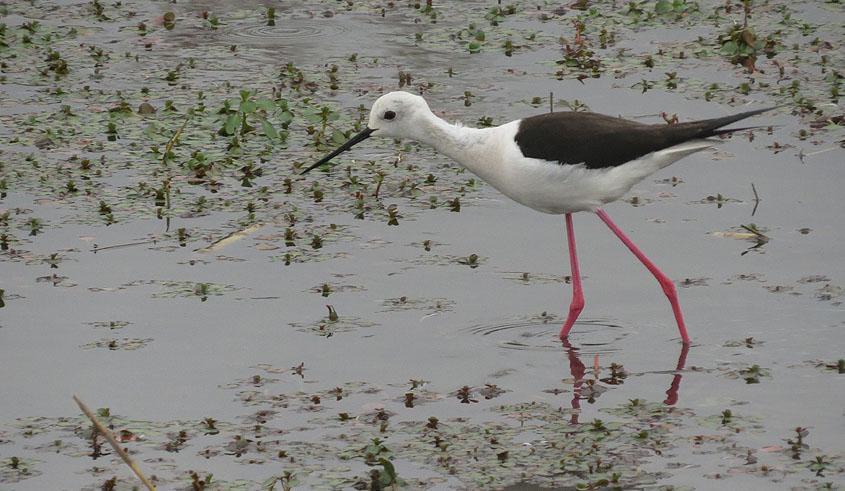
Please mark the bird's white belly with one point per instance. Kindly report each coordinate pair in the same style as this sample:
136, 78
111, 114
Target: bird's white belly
550, 187
553, 188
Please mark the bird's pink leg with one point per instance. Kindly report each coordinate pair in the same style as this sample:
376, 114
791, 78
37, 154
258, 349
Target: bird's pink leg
577, 304
665, 282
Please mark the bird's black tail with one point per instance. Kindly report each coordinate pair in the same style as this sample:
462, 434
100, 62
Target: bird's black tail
712, 127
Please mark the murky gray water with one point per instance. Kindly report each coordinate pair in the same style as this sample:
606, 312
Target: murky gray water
135, 318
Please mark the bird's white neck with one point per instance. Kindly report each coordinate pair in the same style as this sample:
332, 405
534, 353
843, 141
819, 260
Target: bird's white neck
462, 144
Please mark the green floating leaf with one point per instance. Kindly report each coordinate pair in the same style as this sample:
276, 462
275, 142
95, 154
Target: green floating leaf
269, 130
388, 477
663, 7
231, 124
248, 107
313, 117
285, 117
265, 104
245, 127
729, 48
338, 137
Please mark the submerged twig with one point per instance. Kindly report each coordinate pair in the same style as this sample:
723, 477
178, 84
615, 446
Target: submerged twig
167, 149
128, 244
756, 199
115, 445
173, 140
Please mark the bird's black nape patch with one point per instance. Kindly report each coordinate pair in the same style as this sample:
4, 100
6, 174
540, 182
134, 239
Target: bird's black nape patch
600, 141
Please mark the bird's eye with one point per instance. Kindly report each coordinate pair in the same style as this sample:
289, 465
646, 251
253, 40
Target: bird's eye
389, 115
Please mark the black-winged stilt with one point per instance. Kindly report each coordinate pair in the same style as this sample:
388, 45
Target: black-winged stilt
558, 163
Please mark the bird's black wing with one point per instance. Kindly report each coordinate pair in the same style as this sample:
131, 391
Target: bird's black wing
600, 141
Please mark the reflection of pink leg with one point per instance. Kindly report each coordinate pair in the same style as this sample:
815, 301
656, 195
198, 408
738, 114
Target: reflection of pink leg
577, 304
577, 370
672, 393
665, 282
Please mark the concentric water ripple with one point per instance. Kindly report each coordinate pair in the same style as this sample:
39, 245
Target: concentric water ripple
540, 333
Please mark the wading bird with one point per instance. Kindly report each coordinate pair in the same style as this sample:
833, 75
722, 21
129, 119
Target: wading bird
558, 163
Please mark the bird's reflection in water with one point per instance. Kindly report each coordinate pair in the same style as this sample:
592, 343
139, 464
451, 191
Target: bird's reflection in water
587, 388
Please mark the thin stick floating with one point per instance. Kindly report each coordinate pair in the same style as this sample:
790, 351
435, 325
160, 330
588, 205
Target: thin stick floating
128, 244
114, 444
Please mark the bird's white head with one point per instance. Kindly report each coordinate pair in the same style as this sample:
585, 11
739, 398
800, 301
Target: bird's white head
395, 114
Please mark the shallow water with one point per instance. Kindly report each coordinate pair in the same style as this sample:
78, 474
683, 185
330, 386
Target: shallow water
167, 330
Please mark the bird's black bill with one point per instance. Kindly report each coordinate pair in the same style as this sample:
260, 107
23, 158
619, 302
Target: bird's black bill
346, 146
